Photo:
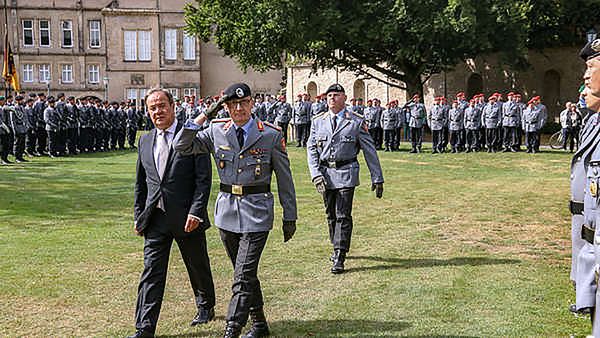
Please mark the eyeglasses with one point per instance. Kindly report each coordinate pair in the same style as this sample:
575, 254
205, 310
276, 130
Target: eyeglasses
242, 103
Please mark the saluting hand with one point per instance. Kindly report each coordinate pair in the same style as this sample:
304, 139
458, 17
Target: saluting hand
378, 188
289, 229
191, 224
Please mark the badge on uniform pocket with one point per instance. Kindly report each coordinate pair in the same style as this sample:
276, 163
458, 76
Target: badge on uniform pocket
594, 188
222, 164
257, 170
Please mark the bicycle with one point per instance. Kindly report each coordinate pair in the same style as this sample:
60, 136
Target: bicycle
556, 140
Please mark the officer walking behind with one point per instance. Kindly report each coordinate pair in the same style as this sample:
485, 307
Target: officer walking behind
246, 152
436, 119
19, 125
417, 119
336, 137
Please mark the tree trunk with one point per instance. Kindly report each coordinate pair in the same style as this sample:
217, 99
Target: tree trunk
413, 86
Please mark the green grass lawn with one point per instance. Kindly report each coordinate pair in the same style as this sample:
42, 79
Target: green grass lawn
460, 245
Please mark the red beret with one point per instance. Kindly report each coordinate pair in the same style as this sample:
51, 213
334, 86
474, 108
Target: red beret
416, 95
510, 94
460, 94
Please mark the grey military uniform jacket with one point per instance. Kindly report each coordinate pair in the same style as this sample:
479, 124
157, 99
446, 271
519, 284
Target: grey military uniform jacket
302, 112
51, 118
436, 118
456, 119
72, 116
417, 115
18, 120
490, 117
326, 145
511, 114
4, 122
389, 119
38, 109
531, 119
472, 118
283, 111
263, 153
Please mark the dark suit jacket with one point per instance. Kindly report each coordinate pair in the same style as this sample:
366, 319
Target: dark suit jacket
185, 187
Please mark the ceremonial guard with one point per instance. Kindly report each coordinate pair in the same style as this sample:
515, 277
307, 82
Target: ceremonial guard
132, 124
531, 126
472, 125
122, 125
302, 115
378, 128
511, 121
4, 132
60, 109
52, 121
389, 121
436, 119
490, 120
246, 152
400, 122
417, 119
180, 114
72, 118
112, 115
86, 118
372, 118
456, 127
283, 115
31, 138
19, 125
336, 137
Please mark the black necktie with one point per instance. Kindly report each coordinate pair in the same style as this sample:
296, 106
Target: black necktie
240, 136
334, 120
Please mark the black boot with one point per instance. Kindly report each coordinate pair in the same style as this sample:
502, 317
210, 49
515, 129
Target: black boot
338, 262
232, 330
259, 328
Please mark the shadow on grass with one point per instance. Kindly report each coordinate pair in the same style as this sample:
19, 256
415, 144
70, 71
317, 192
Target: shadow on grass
324, 328
405, 263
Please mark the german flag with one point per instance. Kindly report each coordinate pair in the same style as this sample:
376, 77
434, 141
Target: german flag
9, 69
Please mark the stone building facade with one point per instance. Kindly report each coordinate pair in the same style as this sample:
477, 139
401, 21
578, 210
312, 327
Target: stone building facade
116, 50
555, 75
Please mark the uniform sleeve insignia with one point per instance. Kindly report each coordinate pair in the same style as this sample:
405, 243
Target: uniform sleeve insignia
323, 114
260, 125
227, 125
283, 145
221, 120
272, 126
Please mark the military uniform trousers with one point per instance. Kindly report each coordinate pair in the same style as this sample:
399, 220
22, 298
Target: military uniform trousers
416, 137
456, 139
511, 138
338, 207
445, 137
481, 139
85, 139
158, 239
131, 134
19, 145
30, 141
121, 138
491, 138
472, 139
397, 138
53, 142
389, 136
41, 140
244, 251
532, 140
437, 139
302, 131
72, 140
284, 129
4, 146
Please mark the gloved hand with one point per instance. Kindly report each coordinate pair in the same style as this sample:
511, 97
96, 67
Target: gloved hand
319, 182
378, 188
212, 111
289, 228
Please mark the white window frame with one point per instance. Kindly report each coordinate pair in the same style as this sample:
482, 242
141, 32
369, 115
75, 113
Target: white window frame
45, 29
30, 29
43, 70
174, 92
94, 31
144, 45
67, 73
189, 47
131, 94
130, 45
93, 73
189, 92
27, 72
65, 30
170, 44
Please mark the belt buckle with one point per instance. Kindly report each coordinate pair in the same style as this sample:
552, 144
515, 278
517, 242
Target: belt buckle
331, 164
236, 189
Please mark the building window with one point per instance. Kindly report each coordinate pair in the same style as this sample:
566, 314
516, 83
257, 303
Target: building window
44, 73
94, 33
189, 92
170, 44
28, 33
145, 46
174, 92
131, 94
27, 72
67, 33
44, 33
137, 45
189, 47
67, 74
94, 73
130, 39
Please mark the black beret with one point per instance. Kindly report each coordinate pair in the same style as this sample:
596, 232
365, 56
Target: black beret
336, 87
237, 91
32, 95
51, 99
591, 50
41, 94
71, 98
19, 98
29, 100
60, 95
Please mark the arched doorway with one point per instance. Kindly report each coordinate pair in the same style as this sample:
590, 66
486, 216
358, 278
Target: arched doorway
359, 89
551, 93
474, 85
311, 89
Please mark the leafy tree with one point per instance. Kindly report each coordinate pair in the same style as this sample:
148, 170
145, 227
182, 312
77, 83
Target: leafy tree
399, 42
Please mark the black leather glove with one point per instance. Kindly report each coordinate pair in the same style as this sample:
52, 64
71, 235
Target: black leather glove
319, 182
212, 111
378, 188
289, 228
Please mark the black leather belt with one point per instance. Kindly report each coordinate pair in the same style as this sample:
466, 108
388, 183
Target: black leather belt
587, 234
576, 208
241, 190
337, 164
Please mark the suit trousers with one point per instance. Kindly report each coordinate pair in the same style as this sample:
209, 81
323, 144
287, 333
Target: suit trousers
244, 251
338, 207
157, 247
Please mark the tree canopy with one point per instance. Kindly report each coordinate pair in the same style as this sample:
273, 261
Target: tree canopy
405, 40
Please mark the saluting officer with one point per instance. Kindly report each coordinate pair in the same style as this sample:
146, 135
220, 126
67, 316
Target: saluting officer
336, 137
246, 151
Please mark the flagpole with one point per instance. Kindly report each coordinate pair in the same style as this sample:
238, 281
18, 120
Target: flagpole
7, 88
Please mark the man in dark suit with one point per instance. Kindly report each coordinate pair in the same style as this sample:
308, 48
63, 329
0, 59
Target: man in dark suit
171, 194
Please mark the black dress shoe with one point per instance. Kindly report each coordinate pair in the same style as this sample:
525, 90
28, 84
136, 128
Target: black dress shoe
203, 316
232, 330
338, 262
259, 328
142, 334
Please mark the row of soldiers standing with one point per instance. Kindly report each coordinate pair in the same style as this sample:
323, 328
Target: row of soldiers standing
60, 126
